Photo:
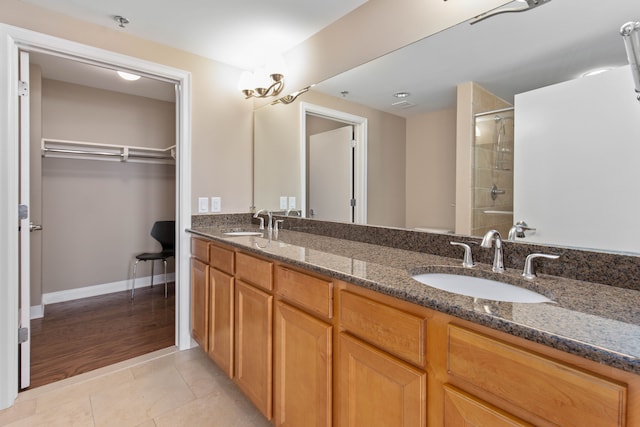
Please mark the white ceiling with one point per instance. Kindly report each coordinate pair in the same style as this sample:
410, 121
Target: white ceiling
507, 54
236, 32
239, 33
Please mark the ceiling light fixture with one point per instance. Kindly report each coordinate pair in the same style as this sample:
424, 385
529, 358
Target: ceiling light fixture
121, 20
401, 94
630, 32
528, 5
128, 76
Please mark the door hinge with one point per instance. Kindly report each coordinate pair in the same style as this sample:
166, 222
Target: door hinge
353, 143
23, 88
23, 335
352, 202
23, 211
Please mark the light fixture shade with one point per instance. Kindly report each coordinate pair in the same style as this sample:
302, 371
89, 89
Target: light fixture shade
261, 78
128, 76
246, 81
276, 65
631, 35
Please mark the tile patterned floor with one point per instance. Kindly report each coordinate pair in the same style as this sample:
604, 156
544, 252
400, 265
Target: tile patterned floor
167, 388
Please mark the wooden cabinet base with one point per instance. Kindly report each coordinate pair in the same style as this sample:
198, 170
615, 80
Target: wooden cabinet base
303, 371
253, 345
378, 390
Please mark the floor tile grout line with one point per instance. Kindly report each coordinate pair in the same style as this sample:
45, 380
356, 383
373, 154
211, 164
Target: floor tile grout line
93, 375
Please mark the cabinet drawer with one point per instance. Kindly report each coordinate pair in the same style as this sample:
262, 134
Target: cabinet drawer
395, 331
309, 292
256, 271
462, 409
221, 258
200, 249
542, 386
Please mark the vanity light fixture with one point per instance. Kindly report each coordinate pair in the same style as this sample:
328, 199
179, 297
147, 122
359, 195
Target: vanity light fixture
630, 32
265, 81
528, 5
288, 99
128, 76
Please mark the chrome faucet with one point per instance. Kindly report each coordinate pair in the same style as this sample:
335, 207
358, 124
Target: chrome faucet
268, 212
487, 240
517, 230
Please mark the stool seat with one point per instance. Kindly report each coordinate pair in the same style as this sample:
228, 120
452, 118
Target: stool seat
165, 233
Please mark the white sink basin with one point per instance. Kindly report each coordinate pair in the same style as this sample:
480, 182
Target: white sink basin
242, 233
478, 287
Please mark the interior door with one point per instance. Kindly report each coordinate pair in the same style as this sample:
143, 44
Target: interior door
331, 175
25, 287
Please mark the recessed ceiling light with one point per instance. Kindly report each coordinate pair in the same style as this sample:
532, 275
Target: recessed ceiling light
401, 94
128, 76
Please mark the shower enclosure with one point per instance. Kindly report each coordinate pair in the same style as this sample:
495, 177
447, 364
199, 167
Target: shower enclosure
493, 172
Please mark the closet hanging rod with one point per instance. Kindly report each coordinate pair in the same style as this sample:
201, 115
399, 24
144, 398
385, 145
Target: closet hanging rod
104, 153
92, 150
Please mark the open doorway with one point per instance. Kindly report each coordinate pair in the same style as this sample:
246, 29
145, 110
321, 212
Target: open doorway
14, 39
333, 149
94, 209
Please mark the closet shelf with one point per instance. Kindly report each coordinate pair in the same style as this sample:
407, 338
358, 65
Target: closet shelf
61, 148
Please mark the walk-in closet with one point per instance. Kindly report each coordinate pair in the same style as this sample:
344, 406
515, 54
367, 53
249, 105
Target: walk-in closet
103, 171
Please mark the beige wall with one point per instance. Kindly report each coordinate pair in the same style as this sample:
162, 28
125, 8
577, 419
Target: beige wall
98, 214
431, 170
277, 142
222, 123
221, 119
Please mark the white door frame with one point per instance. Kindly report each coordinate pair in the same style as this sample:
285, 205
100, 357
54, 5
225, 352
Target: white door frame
11, 40
360, 172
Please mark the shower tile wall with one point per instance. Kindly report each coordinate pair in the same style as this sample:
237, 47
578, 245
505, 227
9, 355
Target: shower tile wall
493, 165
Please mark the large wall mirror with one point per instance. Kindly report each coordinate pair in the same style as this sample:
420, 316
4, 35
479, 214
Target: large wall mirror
446, 118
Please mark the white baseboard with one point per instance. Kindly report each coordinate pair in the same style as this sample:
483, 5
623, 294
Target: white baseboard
37, 311
106, 288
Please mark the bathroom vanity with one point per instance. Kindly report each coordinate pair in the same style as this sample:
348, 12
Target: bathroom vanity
324, 331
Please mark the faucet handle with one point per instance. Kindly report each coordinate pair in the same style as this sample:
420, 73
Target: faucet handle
275, 224
261, 222
467, 261
529, 271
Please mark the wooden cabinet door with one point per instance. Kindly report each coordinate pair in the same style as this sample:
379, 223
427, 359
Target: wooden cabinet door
200, 303
221, 320
303, 360
464, 410
253, 345
376, 389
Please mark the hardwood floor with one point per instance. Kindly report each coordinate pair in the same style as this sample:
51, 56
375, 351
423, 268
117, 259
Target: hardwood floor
82, 335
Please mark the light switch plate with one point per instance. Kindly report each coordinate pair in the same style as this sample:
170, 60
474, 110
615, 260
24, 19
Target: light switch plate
292, 202
283, 202
203, 205
216, 204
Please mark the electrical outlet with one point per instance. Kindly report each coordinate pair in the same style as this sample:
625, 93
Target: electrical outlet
283, 202
292, 202
203, 205
216, 204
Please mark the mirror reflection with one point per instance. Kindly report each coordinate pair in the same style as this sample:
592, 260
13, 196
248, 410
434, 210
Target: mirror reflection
446, 157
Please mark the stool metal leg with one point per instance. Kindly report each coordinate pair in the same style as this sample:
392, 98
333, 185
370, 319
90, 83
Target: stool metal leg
165, 277
133, 284
152, 264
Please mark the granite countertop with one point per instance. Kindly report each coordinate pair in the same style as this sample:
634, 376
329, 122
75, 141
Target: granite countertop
591, 320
